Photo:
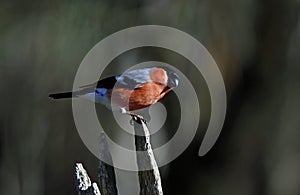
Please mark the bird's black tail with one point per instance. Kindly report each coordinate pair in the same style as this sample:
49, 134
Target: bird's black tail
61, 95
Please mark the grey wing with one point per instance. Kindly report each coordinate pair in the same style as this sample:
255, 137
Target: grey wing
128, 80
132, 79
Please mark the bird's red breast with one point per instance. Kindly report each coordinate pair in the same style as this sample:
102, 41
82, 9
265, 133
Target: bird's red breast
146, 95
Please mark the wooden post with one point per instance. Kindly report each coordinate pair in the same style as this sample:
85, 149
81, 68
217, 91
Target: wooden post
149, 177
107, 178
106, 174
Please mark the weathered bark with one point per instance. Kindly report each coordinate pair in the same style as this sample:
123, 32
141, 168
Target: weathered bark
83, 182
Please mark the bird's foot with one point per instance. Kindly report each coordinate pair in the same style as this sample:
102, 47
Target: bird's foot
137, 118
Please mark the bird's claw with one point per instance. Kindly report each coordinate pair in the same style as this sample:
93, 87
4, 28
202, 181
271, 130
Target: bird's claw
136, 117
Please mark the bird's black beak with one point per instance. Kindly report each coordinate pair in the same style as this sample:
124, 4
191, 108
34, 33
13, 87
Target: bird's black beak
173, 79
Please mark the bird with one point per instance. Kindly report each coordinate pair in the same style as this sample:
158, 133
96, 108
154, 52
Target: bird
133, 90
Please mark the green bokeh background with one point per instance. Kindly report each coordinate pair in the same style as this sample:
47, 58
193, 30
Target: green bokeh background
255, 43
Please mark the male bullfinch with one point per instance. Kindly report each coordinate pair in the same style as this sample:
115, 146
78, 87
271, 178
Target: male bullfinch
133, 90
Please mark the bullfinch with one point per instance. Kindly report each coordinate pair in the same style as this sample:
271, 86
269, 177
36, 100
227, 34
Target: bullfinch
132, 90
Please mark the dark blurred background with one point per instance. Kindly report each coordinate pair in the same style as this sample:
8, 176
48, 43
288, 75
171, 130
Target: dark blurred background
255, 44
